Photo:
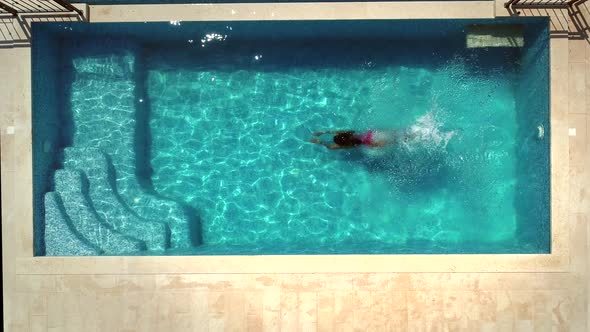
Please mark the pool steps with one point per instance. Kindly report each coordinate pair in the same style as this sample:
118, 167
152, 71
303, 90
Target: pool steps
151, 206
61, 236
109, 207
495, 35
72, 187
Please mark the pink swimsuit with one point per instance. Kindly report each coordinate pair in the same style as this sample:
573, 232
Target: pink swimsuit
367, 138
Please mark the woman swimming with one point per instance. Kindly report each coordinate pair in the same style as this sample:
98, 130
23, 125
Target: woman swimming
348, 139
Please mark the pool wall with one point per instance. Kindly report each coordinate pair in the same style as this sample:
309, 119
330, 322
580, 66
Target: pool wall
47, 121
533, 163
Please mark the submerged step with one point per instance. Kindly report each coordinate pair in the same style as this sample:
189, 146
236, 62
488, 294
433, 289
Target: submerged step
72, 189
159, 208
103, 95
495, 35
109, 207
105, 98
112, 65
61, 238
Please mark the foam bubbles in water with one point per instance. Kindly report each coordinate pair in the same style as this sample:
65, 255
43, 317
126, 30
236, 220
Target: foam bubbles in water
428, 132
417, 160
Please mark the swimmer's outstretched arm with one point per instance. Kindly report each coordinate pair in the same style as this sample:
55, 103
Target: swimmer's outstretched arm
317, 141
329, 146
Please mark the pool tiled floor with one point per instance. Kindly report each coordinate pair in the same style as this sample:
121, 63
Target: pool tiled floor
425, 294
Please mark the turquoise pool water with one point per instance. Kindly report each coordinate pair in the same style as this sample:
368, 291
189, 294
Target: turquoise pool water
197, 142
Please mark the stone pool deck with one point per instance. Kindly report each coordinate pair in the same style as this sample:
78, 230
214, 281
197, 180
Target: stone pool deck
306, 293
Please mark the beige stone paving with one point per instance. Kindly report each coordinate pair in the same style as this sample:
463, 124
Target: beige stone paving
546, 293
298, 11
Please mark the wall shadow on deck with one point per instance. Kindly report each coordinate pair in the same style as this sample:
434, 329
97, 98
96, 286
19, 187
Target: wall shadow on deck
17, 31
560, 18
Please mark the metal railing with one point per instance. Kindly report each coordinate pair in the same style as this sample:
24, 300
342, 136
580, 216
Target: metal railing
16, 7
542, 4
567, 16
4, 8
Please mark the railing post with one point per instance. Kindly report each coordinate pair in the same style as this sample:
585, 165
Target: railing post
70, 7
509, 3
8, 9
571, 2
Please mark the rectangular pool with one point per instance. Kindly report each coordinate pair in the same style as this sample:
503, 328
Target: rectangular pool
192, 138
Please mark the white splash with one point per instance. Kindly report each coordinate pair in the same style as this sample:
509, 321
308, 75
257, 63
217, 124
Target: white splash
541, 131
428, 131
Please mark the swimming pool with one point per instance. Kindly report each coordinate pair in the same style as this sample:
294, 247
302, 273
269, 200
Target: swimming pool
191, 138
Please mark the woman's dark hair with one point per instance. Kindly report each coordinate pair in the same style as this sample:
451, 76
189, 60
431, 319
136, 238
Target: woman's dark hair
347, 139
